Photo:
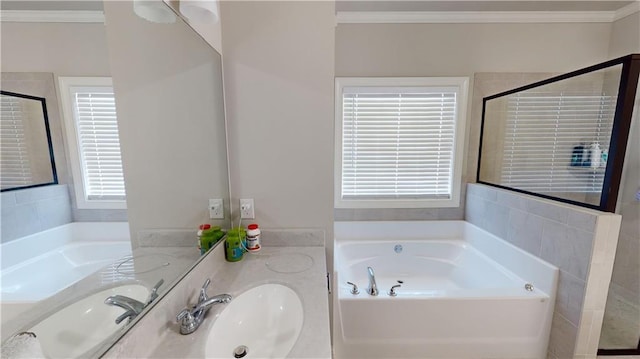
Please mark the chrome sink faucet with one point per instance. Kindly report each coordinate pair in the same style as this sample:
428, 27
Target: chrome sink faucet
132, 306
190, 319
373, 288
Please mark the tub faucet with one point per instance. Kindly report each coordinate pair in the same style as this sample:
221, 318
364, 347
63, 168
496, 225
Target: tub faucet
132, 306
190, 319
373, 288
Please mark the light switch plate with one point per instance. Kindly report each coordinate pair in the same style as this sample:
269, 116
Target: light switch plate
216, 208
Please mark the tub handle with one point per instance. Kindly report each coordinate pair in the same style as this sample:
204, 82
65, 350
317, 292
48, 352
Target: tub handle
354, 290
392, 291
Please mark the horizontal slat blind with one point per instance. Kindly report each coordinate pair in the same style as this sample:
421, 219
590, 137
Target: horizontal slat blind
15, 169
99, 145
398, 143
542, 130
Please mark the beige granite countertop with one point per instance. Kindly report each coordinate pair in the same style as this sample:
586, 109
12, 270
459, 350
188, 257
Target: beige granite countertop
301, 268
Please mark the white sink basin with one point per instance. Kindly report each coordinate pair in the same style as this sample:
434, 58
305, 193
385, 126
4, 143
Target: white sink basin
79, 327
266, 319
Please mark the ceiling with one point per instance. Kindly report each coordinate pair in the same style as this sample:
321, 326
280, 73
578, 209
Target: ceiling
479, 5
50, 5
374, 5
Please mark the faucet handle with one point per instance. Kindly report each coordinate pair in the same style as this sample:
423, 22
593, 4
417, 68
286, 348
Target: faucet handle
188, 322
185, 313
392, 291
203, 290
128, 314
154, 292
354, 290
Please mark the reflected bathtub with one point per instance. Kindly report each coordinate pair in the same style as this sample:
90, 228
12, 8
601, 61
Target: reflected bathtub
462, 293
40, 265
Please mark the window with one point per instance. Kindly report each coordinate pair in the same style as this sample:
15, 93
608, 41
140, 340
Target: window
94, 147
399, 142
568, 122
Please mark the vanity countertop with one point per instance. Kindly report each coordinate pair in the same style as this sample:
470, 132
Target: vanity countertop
301, 268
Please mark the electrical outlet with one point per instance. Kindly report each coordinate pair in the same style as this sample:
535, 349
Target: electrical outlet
216, 208
246, 209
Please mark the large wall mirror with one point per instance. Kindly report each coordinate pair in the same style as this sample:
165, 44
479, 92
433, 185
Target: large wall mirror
26, 151
563, 138
167, 84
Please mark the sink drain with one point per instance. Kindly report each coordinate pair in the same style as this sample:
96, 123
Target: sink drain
240, 352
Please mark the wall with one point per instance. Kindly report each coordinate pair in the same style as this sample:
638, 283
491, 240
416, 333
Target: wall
168, 89
625, 36
33, 210
579, 241
278, 59
620, 329
462, 50
64, 49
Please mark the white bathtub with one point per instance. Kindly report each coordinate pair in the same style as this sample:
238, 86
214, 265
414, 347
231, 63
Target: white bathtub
40, 265
462, 296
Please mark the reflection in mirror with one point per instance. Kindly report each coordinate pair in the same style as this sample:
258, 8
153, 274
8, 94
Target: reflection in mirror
26, 151
555, 138
168, 91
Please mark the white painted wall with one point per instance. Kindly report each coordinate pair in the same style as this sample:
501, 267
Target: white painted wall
462, 50
278, 59
66, 49
625, 36
623, 302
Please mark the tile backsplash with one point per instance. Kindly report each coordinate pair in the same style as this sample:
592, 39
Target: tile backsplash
33, 210
579, 241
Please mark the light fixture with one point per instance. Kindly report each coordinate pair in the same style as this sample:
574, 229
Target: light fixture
154, 11
200, 11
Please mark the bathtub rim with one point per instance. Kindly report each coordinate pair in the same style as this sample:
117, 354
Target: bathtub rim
22, 248
532, 269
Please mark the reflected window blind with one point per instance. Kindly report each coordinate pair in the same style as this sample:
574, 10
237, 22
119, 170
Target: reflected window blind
398, 143
542, 130
99, 145
15, 169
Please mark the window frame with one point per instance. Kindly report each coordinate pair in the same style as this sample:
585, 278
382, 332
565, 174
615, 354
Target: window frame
462, 85
70, 128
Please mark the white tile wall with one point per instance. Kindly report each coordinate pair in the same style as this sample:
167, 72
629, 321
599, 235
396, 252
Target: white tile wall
579, 241
33, 210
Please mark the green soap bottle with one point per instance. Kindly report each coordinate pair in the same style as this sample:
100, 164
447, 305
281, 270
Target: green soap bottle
233, 245
205, 235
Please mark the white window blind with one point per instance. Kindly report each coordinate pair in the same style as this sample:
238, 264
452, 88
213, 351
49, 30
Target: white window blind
543, 130
398, 142
15, 169
98, 143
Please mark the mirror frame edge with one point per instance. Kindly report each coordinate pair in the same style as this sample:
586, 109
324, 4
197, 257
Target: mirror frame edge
52, 161
619, 135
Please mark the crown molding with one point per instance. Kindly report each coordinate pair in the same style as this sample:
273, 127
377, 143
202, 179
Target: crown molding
473, 17
51, 16
632, 8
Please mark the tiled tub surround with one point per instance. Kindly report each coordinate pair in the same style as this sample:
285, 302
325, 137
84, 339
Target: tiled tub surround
32, 210
463, 293
157, 335
580, 241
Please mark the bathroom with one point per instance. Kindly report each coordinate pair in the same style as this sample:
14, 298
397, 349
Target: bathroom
280, 61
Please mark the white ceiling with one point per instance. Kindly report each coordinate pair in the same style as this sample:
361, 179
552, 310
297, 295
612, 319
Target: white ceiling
375, 5
479, 5
47, 5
